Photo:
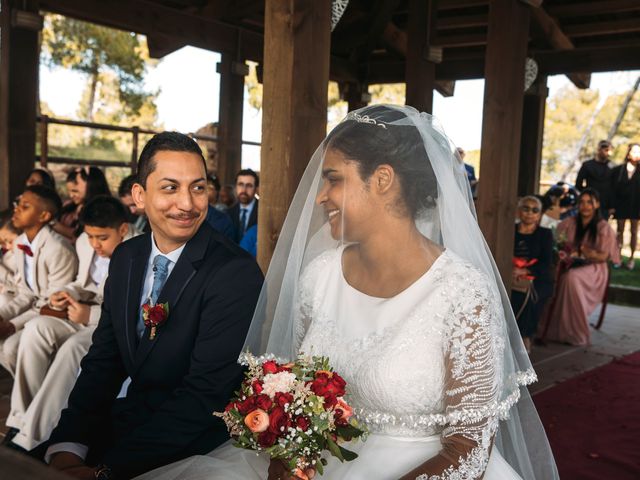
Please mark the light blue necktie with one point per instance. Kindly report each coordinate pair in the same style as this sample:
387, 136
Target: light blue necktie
160, 271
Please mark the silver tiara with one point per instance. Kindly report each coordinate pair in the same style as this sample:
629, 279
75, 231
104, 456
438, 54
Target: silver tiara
364, 119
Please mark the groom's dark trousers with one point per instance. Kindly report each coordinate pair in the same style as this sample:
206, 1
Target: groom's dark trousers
179, 378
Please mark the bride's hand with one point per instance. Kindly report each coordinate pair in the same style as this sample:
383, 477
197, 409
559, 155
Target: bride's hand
279, 471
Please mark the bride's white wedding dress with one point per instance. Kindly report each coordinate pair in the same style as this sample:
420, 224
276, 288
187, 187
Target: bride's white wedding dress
414, 363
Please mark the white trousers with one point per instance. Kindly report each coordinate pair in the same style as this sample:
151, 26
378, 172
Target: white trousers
9, 346
47, 367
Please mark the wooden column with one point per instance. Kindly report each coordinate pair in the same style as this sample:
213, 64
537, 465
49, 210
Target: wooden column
420, 71
356, 95
294, 120
5, 35
535, 100
230, 118
501, 127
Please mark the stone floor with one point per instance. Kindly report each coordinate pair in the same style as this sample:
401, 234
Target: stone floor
554, 363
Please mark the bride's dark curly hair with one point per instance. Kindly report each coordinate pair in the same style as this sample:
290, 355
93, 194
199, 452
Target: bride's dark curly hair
372, 144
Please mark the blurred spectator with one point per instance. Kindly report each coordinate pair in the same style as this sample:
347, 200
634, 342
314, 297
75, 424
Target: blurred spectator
532, 282
227, 196
136, 215
8, 235
213, 188
626, 198
39, 176
83, 184
250, 241
221, 222
596, 174
470, 171
587, 242
245, 213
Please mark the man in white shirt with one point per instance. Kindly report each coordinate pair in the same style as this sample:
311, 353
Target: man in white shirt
51, 347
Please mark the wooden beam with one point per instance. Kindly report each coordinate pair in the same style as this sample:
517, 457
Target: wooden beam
160, 46
590, 8
462, 21
457, 4
532, 135
396, 39
5, 38
296, 76
549, 29
460, 40
420, 72
150, 18
230, 119
603, 28
383, 12
24, 62
503, 103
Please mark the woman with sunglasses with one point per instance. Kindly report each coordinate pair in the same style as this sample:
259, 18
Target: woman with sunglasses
590, 243
532, 274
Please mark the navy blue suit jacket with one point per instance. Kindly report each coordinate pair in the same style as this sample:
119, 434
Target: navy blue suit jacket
179, 378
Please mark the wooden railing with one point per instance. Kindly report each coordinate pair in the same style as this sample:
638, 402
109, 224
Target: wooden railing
45, 158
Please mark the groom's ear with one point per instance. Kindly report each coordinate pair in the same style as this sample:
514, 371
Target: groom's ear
138, 195
383, 178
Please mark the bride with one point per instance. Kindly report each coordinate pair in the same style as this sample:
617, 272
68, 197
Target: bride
381, 267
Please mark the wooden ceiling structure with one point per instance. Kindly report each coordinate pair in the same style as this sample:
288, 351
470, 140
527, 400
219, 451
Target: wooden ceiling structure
426, 44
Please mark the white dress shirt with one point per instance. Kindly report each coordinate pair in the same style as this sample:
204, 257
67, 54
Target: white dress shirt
249, 209
29, 268
99, 268
77, 448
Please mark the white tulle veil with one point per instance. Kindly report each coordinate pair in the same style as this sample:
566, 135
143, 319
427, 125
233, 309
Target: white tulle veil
451, 222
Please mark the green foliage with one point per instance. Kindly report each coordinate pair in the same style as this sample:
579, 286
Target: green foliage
624, 277
572, 114
96, 50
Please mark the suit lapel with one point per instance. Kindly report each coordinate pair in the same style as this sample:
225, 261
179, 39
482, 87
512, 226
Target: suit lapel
174, 287
135, 279
37, 270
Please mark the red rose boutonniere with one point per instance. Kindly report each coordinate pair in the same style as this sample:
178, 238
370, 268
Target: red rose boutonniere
154, 316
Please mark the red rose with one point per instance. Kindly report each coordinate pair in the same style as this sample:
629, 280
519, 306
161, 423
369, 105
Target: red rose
303, 423
338, 383
319, 385
283, 398
230, 406
330, 400
246, 405
279, 421
266, 439
257, 387
157, 315
270, 367
264, 402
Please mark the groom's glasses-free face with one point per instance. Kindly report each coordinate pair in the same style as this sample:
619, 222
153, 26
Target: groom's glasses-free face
526, 209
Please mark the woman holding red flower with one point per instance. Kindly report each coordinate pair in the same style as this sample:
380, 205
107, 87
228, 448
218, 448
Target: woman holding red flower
382, 269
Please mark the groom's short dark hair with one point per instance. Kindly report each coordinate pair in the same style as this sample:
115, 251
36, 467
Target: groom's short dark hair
161, 142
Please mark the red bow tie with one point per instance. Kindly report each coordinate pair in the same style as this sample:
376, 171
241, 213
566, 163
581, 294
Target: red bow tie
26, 249
4, 250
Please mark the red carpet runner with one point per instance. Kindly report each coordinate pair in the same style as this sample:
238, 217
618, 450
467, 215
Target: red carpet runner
593, 422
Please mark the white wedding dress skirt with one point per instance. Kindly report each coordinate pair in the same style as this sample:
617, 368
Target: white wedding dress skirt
391, 353
381, 457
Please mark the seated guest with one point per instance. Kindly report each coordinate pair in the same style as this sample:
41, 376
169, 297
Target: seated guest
227, 197
136, 215
244, 214
220, 222
589, 243
8, 235
82, 184
250, 241
45, 263
532, 284
213, 189
177, 306
626, 198
51, 347
39, 176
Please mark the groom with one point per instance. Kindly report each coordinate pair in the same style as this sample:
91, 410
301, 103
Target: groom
183, 368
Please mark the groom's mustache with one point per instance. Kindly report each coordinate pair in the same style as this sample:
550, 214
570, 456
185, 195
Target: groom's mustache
184, 216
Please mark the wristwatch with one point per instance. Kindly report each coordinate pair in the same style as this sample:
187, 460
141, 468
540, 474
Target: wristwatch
103, 473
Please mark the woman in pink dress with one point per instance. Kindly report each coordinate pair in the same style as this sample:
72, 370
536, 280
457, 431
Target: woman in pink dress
583, 279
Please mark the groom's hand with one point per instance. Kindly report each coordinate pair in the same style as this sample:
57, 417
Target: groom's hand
65, 460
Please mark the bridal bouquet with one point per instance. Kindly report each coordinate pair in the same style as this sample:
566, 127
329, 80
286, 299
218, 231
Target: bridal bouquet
294, 412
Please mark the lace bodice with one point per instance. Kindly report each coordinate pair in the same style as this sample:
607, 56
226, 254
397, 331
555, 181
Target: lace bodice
426, 361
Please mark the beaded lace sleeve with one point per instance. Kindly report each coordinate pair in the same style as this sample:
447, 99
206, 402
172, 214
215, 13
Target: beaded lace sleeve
473, 383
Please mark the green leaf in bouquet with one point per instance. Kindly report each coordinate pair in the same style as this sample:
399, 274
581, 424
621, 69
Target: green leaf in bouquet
347, 432
319, 467
348, 455
335, 450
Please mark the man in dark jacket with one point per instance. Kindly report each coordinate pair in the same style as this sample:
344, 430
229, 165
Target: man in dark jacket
596, 174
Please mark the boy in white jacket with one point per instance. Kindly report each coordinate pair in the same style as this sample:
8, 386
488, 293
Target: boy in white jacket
41, 387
